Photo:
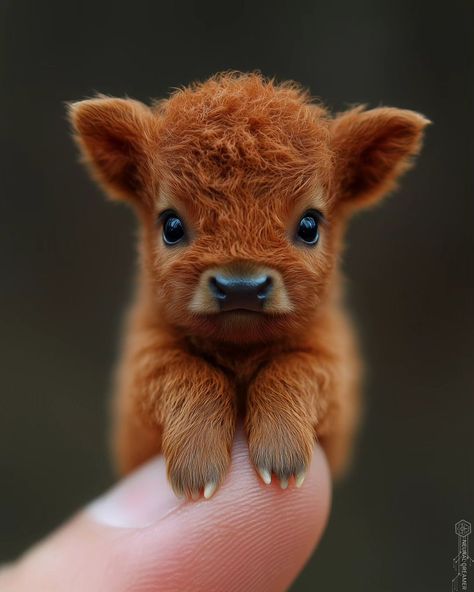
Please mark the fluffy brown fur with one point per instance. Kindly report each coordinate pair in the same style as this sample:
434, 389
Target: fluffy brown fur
240, 159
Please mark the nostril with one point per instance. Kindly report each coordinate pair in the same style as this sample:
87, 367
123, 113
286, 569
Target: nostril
264, 288
244, 292
217, 288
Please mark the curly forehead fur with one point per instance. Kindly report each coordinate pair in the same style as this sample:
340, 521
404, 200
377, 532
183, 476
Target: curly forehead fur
242, 134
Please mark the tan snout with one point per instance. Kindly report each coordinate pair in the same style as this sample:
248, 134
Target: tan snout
241, 287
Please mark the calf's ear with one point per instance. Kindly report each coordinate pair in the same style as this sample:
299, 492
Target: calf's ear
372, 149
116, 138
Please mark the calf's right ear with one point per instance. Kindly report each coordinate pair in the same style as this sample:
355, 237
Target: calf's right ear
116, 138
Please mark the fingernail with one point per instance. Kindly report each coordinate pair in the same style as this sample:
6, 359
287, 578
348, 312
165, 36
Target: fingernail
138, 501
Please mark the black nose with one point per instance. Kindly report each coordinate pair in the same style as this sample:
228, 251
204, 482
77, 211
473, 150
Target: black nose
248, 293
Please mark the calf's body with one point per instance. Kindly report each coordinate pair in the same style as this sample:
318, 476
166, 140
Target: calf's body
243, 189
286, 392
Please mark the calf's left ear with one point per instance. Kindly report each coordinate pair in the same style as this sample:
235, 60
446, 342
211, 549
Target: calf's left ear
372, 149
116, 138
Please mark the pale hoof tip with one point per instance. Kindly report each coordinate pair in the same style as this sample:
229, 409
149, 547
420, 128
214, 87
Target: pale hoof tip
284, 483
209, 490
266, 476
299, 479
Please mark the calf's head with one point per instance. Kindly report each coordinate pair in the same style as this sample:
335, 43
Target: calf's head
243, 188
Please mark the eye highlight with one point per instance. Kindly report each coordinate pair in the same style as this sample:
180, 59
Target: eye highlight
308, 228
173, 228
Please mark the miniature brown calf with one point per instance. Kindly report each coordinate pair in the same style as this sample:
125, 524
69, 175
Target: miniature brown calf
243, 189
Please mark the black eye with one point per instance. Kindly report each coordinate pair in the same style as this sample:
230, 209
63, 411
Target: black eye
173, 229
308, 228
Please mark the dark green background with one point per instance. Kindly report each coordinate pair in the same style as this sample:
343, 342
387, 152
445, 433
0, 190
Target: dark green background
67, 259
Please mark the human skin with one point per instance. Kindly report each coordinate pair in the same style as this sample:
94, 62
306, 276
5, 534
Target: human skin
141, 538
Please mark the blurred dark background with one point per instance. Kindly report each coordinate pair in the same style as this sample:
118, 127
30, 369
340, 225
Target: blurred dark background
67, 259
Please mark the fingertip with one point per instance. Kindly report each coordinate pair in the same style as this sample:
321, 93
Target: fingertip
248, 536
